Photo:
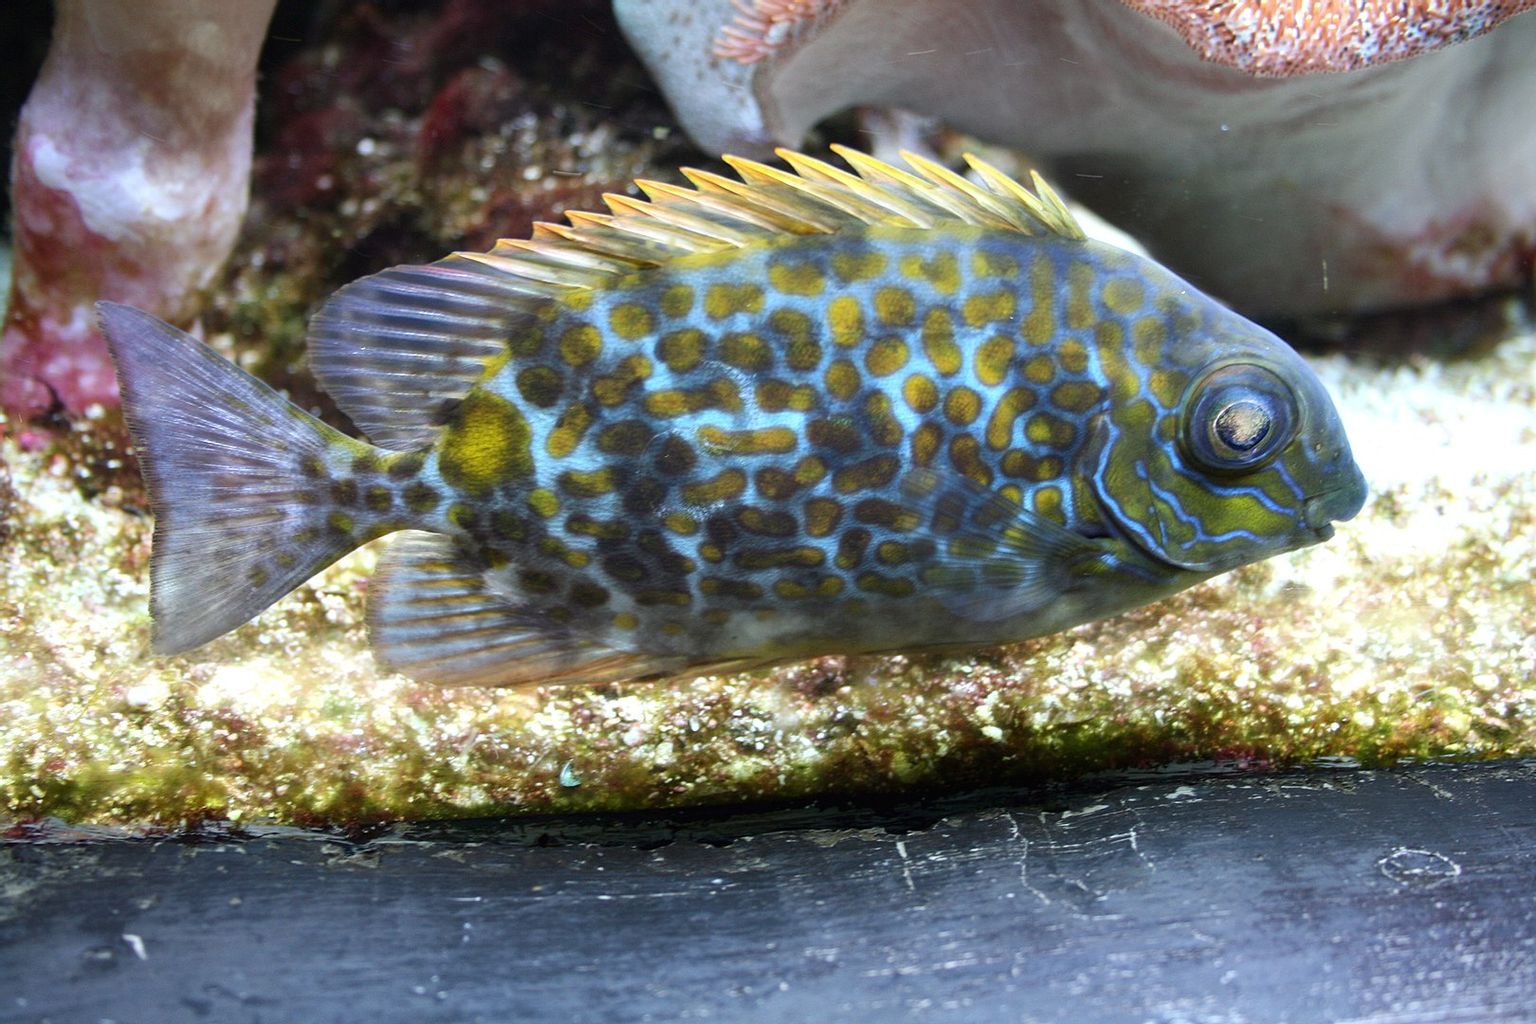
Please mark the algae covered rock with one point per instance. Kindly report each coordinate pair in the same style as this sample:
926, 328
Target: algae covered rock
1411, 634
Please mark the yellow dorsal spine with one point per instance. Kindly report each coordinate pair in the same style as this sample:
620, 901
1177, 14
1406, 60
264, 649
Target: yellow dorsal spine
812, 197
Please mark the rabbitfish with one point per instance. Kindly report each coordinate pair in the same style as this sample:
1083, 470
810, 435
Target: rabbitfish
800, 413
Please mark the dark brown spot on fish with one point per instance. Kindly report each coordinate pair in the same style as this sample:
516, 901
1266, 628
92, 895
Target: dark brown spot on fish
721, 586
540, 385
842, 379
870, 473
962, 406
1052, 431
775, 484
681, 350
677, 300
611, 389
420, 497
580, 344
465, 517
536, 581
675, 456
508, 526
890, 586
879, 512
626, 437
799, 557
1013, 404
654, 598
726, 485
603, 529
884, 428
344, 491
378, 499
586, 594
404, 467
925, 442
774, 395
556, 548
793, 330
839, 435
858, 264
822, 516
625, 568
485, 443
886, 356
767, 522
851, 546
965, 456
1078, 396
644, 496
585, 483
723, 300
572, 424
721, 529
746, 351
921, 394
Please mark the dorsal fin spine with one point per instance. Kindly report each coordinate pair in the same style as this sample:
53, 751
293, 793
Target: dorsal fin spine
837, 199
575, 256
943, 177
675, 215
790, 212
718, 208
899, 207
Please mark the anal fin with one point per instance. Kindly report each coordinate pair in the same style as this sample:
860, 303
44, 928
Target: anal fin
432, 617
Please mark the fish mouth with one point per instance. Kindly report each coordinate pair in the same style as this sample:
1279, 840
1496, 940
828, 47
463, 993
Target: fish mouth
1334, 505
1321, 511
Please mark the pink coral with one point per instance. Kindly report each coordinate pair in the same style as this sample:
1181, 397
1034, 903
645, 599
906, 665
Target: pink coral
129, 181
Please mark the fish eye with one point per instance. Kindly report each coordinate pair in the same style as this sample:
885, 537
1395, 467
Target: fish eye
1238, 417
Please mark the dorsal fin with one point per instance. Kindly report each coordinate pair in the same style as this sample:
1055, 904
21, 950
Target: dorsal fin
398, 349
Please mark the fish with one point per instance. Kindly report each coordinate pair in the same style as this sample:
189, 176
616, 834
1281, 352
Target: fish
751, 420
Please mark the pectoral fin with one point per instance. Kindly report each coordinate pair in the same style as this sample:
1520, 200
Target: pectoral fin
993, 559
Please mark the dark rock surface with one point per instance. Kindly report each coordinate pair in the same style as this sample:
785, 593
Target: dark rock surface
1323, 895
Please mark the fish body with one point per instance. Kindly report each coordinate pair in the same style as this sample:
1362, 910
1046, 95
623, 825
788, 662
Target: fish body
756, 422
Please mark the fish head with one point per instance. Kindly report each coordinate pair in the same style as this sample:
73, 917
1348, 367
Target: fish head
1218, 446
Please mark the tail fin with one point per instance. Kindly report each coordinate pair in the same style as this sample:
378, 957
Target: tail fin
237, 477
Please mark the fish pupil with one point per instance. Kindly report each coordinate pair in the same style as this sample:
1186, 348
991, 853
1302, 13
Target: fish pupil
1242, 425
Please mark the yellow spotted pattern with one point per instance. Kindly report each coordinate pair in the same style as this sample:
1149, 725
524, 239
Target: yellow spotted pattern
704, 444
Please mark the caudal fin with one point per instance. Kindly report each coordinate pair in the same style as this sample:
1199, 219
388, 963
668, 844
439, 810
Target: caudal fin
237, 478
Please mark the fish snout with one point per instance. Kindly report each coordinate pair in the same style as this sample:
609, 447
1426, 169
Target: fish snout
1337, 504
